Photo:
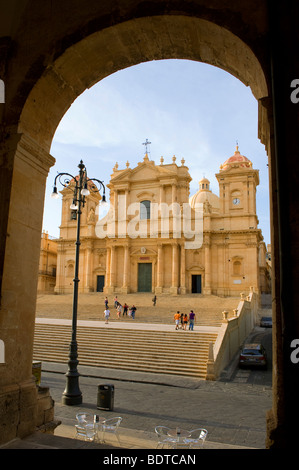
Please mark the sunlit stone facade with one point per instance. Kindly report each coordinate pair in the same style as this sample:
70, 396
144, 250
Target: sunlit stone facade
156, 238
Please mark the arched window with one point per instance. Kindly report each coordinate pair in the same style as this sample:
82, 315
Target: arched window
145, 210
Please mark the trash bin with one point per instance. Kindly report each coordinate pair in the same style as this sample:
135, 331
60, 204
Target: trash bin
37, 371
105, 397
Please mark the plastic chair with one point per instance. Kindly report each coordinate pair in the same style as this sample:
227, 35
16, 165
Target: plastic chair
85, 417
86, 427
197, 438
111, 426
163, 438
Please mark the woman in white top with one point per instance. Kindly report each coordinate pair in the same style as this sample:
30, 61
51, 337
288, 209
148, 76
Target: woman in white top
107, 314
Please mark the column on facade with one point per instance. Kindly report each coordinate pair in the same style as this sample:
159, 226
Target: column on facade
175, 269
160, 263
60, 270
88, 266
207, 285
162, 193
108, 270
183, 270
126, 204
112, 268
116, 211
174, 193
125, 286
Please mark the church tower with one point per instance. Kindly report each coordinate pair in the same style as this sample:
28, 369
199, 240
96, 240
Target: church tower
237, 192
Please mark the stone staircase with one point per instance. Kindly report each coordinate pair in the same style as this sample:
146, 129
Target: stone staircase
181, 353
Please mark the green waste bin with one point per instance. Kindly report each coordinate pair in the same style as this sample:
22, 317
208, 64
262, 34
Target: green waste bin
37, 371
105, 397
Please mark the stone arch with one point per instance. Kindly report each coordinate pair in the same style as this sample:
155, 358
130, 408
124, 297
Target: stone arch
79, 67
127, 44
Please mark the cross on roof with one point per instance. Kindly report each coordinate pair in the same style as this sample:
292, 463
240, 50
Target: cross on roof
146, 143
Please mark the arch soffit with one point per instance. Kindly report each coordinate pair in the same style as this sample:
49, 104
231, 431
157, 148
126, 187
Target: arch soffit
127, 44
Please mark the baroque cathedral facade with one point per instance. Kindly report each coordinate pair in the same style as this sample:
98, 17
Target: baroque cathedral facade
156, 238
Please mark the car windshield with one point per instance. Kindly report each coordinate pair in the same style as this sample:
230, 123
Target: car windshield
266, 318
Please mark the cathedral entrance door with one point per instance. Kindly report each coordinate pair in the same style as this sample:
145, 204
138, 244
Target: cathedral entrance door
196, 283
144, 277
100, 283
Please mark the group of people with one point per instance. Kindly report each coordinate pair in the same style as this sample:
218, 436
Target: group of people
120, 309
182, 319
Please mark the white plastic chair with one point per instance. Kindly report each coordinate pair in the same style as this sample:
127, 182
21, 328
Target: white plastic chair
86, 428
111, 426
197, 438
164, 438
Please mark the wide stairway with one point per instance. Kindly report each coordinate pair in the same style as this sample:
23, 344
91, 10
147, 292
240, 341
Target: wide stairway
183, 353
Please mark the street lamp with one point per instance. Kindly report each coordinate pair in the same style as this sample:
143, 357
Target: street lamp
83, 185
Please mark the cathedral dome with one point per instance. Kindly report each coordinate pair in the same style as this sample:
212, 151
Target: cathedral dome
236, 160
204, 195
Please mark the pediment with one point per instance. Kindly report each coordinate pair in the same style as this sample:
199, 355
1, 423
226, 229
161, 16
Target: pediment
145, 171
143, 251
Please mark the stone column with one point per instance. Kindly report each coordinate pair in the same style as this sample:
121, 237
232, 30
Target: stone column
159, 286
112, 270
162, 193
125, 286
88, 283
60, 269
107, 276
175, 269
174, 192
183, 270
207, 286
18, 392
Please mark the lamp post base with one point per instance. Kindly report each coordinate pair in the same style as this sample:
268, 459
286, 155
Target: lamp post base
72, 394
71, 400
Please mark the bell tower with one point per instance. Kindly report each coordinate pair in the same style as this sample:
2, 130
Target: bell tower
237, 192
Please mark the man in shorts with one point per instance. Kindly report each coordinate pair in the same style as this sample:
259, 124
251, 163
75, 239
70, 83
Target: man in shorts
177, 318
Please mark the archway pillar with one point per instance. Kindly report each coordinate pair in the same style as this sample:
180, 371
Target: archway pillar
282, 420
18, 392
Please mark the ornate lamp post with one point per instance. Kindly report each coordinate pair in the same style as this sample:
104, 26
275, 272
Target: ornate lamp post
83, 185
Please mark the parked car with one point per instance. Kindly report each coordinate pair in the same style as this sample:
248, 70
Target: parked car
266, 322
253, 355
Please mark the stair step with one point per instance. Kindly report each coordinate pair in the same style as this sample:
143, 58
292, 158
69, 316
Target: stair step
139, 350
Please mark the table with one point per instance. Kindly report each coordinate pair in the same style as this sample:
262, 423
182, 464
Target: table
179, 436
179, 433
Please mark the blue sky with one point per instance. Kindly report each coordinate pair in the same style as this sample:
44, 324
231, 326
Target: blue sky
184, 108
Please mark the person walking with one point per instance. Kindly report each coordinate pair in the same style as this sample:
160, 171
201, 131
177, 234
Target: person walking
118, 310
185, 321
106, 314
106, 302
133, 310
154, 301
177, 318
115, 302
191, 320
125, 310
